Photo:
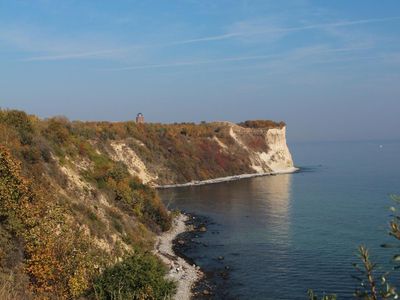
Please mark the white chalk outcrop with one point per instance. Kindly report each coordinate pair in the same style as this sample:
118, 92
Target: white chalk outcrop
276, 158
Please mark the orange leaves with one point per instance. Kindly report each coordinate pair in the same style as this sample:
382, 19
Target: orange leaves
58, 130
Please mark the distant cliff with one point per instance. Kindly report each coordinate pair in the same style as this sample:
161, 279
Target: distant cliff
174, 154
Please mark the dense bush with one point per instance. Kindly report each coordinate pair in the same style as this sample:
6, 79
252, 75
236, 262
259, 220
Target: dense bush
19, 121
262, 124
138, 276
58, 130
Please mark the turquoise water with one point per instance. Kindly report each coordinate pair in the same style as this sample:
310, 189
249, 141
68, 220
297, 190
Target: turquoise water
281, 235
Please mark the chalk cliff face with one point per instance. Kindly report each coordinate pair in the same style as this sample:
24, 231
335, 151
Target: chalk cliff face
275, 157
279, 157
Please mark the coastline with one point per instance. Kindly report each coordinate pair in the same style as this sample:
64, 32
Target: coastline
190, 278
185, 274
227, 178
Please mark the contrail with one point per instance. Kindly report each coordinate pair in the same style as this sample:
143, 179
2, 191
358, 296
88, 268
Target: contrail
73, 55
221, 37
277, 30
229, 59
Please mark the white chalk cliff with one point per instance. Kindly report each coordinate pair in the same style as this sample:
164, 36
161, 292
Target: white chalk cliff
276, 158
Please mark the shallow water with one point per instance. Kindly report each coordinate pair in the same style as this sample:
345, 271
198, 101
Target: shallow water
281, 235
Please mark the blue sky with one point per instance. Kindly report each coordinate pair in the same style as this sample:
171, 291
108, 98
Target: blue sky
330, 69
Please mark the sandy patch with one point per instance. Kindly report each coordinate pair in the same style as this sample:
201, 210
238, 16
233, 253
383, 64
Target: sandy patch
135, 165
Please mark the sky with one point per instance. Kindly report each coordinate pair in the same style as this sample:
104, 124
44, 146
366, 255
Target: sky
329, 69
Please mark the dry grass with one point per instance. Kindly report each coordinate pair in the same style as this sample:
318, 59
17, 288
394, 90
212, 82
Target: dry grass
11, 289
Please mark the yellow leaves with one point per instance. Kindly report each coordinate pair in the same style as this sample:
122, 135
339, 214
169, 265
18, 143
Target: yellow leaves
56, 257
78, 282
60, 263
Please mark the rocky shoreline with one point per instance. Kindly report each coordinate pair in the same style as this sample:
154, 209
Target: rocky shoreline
214, 282
185, 273
192, 281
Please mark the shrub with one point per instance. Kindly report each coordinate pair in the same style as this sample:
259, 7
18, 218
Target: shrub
262, 124
20, 121
138, 276
58, 130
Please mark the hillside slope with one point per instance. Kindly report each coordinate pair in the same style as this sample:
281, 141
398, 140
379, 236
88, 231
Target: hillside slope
73, 222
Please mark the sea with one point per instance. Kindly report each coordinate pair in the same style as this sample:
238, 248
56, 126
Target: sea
275, 237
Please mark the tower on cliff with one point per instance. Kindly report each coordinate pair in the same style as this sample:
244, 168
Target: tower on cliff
139, 118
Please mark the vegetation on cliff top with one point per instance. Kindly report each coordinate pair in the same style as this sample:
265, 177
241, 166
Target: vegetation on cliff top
266, 124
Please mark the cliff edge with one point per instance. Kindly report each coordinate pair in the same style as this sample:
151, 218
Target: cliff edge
273, 156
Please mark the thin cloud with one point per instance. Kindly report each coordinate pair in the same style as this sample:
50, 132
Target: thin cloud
233, 59
282, 30
331, 25
227, 36
205, 39
100, 53
73, 55
192, 63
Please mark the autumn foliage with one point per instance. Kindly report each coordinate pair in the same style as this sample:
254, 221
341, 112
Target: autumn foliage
56, 257
49, 234
73, 219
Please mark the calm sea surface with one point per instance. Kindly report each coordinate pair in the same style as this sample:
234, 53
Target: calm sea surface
281, 235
